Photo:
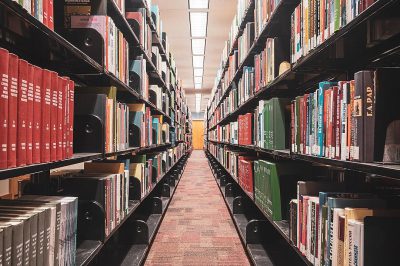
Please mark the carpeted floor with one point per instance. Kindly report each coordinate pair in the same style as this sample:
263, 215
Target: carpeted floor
197, 228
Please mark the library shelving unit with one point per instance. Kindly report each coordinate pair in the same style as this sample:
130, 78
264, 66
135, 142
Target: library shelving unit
68, 53
349, 49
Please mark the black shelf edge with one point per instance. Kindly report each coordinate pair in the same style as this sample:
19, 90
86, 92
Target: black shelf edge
34, 168
88, 249
121, 22
281, 226
381, 169
140, 252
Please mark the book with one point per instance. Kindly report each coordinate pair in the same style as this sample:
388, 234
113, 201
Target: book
12, 110
4, 71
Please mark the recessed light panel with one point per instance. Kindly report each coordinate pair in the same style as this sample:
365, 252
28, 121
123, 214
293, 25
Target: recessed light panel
198, 72
198, 79
198, 61
198, 86
198, 24
198, 46
201, 4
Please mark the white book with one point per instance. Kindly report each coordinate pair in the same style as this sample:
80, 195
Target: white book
335, 239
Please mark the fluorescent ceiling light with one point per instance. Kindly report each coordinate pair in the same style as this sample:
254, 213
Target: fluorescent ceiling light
198, 61
198, 102
198, 72
203, 4
198, 80
198, 86
198, 24
198, 46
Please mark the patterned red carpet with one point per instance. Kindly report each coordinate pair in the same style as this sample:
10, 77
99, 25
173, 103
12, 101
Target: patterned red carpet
197, 228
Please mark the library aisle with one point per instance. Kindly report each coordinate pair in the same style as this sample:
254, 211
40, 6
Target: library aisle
197, 228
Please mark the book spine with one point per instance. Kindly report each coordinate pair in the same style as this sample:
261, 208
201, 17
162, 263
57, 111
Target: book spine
36, 134
369, 91
22, 111
4, 99
54, 116
12, 111
60, 117
338, 123
30, 103
358, 114
50, 13
45, 118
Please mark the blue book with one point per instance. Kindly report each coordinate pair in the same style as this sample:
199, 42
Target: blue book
323, 86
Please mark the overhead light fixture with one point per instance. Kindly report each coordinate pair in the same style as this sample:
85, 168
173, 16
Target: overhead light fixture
198, 46
198, 61
198, 24
200, 4
198, 72
198, 102
198, 80
198, 86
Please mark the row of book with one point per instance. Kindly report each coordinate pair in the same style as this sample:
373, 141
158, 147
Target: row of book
349, 120
116, 48
334, 226
330, 223
42, 10
38, 230
263, 11
149, 168
314, 21
266, 128
266, 69
37, 110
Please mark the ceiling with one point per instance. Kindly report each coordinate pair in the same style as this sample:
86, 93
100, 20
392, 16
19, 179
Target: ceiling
175, 18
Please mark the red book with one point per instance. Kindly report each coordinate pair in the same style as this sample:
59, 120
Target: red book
22, 111
12, 110
29, 117
4, 66
45, 118
61, 83
334, 107
54, 116
50, 14
304, 123
138, 17
70, 139
247, 126
37, 114
292, 126
45, 13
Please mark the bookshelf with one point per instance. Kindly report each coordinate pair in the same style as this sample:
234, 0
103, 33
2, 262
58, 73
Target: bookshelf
61, 50
338, 57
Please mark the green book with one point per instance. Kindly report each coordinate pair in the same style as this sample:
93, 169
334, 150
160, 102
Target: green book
275, 185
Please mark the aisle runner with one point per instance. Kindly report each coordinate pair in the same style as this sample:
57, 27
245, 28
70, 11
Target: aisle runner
197, 228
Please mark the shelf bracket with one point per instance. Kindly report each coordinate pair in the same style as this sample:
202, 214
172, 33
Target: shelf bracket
157, 206
255, 231
229, 190
237, 205
166, 191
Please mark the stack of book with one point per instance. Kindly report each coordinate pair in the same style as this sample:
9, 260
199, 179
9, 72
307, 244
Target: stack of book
245, 42
38, 230
42, 10
271, 124
314, 21
106, 183
116, 122
37, 108
140, 79
138, 22
333, 227
349, 120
